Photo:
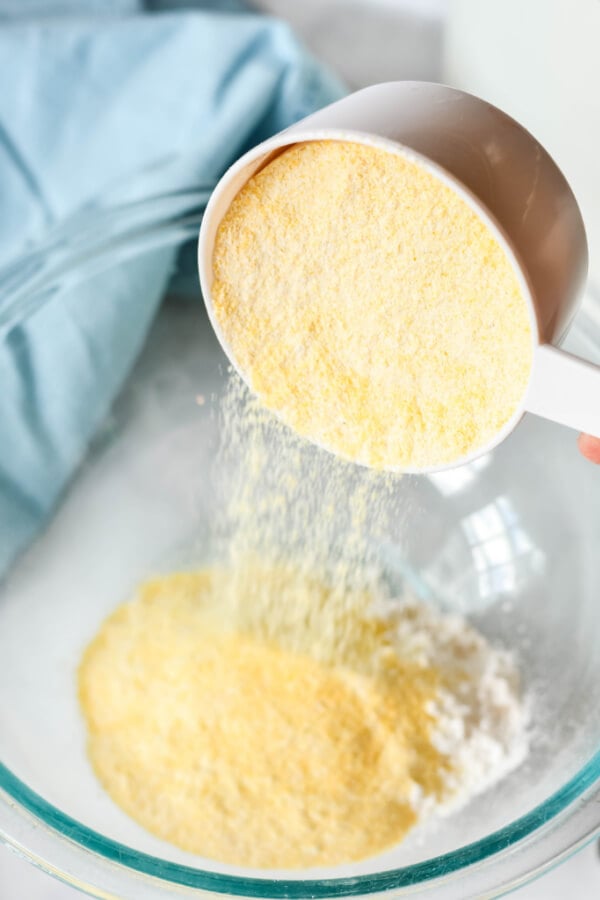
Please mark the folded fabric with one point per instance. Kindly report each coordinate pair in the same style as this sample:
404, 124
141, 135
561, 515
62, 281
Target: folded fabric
89, 102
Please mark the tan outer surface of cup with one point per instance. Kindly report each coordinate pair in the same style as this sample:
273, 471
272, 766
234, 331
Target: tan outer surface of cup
500, 164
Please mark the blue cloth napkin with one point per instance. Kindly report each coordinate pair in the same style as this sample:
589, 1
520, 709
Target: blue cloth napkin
95, 93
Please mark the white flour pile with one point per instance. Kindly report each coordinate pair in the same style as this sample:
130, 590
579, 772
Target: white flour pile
480, 714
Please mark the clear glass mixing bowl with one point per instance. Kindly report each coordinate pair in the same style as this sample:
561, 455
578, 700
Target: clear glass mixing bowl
512, 540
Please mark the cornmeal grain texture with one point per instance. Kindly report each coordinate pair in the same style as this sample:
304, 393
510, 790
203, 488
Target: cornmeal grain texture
370, 307
231, 724
239, 749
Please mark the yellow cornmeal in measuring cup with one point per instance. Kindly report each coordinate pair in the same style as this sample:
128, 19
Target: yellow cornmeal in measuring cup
370, 307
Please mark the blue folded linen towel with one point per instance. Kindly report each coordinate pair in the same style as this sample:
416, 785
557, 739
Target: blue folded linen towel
93, 94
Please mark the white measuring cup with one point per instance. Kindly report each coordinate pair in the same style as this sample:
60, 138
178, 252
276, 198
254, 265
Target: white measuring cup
507, 178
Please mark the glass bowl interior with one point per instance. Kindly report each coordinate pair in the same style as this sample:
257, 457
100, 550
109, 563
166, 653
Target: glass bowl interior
511, 540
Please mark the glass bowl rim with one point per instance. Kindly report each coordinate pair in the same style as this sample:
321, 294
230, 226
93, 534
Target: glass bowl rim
489, 849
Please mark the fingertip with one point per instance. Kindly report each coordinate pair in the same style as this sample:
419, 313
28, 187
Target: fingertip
590, 447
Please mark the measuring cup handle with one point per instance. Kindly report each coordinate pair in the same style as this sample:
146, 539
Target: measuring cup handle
565, 389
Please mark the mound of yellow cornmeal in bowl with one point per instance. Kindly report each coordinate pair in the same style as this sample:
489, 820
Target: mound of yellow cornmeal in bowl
269, 720
370, 307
